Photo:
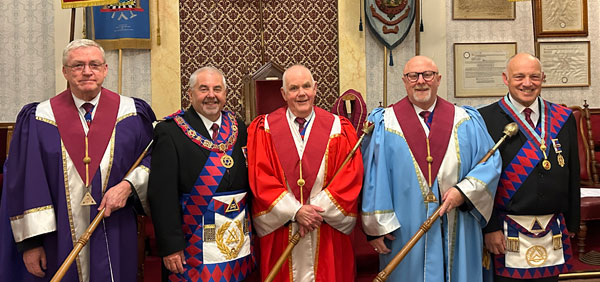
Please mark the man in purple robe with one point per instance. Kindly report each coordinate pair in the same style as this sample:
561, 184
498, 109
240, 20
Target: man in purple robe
67, 160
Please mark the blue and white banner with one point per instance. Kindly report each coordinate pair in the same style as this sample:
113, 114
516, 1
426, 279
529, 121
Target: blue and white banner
125, 25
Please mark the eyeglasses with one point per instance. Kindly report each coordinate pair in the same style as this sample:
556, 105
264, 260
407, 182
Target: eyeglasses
414, 76
95, 67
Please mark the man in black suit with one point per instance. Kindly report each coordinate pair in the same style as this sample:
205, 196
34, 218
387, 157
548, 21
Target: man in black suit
536, 207
198, 188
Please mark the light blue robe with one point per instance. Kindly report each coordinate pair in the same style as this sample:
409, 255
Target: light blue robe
394, 198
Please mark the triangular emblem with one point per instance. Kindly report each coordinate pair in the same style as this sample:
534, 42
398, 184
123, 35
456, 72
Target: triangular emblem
536, 225
88, 200
233, 206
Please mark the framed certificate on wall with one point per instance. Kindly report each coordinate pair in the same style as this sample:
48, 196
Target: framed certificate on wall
565, 63
555, 18
478, 68
483, 10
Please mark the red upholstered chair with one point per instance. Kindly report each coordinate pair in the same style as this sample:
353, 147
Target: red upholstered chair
590, 206
261, 91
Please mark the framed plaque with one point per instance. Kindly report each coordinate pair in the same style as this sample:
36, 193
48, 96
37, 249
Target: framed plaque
555, 18
478, 68
565, 63
483, 10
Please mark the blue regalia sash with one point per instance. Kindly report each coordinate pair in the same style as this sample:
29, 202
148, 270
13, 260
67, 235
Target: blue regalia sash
552, 117
200, 209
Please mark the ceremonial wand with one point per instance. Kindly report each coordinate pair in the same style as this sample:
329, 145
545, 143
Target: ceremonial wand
368, 127
91, 228
509, 130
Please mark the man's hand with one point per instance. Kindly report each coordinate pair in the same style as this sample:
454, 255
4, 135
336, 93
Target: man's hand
174, 262
451, 199
379, 245
308, 218
35, 261
495, 242
115, 197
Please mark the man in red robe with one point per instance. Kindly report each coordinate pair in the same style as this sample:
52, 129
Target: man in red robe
295, 157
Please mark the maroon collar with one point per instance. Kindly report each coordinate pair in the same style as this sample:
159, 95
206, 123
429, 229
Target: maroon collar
439, 135
313, 153
72, 133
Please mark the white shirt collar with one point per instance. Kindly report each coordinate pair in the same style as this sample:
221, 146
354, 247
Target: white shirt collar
208, 123
79, 102
418, 110
534, 106
535, 109
292, 118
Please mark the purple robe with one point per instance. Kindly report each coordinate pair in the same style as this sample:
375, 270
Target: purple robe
43, 190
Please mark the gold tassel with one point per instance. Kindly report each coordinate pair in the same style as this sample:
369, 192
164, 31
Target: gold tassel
557, 241
512, 244
486, 260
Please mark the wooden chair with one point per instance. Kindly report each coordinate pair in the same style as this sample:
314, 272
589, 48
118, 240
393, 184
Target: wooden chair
590, 206
262, 91
592, 117
6, 130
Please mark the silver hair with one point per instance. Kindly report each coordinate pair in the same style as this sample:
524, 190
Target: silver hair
194, 76
513, 56
79, 43
312, 79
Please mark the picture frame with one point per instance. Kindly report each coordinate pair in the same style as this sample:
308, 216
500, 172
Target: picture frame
478, 68
560, 18
565, 63
483, 10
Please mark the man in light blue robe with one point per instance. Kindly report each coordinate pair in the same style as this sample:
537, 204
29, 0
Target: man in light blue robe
424, 145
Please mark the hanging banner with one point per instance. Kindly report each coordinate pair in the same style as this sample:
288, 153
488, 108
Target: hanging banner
68, 4
125, 25
390, 20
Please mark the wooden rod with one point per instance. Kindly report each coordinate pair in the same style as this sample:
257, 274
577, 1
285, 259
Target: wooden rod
90, 229
120, 73
367, 128
509, 130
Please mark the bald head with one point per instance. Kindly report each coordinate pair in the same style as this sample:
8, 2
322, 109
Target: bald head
419, 61
524, 77
421, 80
299, 90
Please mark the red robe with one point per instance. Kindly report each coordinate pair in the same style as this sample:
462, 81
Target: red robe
326, 253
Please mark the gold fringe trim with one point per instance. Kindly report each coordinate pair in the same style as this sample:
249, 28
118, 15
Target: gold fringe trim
125, 43
46, 120
271, 206
377, 212
338, 206
512, 244
557, 241
39, 209
86, 3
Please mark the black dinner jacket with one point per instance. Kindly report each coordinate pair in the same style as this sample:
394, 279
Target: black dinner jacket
542, 192
176, 164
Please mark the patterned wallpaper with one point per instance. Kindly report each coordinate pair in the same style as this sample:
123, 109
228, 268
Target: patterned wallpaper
296, 32
26, 54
